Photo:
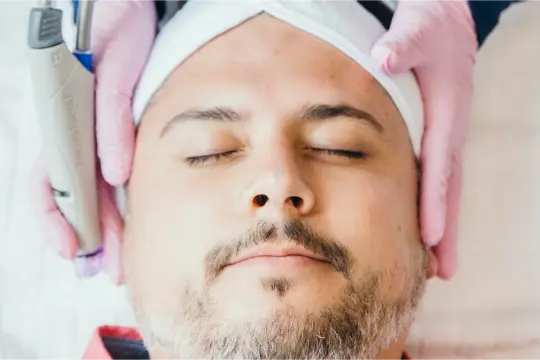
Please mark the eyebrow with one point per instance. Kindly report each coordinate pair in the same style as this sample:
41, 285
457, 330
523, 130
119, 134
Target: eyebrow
310, 112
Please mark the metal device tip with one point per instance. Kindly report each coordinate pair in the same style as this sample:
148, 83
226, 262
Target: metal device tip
46, 3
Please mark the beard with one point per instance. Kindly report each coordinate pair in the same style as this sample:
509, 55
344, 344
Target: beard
359, 324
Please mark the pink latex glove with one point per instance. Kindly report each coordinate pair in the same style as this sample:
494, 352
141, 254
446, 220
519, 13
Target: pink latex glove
122, 35
437, 40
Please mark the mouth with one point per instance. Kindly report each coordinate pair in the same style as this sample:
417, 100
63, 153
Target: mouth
279, 256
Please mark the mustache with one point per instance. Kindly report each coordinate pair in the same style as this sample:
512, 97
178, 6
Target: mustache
296, 231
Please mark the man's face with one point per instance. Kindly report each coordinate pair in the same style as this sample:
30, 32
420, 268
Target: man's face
273, 205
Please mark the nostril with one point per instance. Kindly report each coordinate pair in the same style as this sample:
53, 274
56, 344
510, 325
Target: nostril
260, 200
296, 201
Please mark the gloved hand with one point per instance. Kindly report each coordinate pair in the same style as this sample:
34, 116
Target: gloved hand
437, 40
122, 36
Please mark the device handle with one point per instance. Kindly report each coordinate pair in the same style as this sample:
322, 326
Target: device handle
64, 96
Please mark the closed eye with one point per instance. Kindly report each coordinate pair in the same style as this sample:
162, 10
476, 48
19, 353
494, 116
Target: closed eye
342, 153
212, 158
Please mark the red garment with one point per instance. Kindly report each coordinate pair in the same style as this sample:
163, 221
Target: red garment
97, 349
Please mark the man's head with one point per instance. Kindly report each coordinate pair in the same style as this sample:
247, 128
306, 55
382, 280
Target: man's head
273, 205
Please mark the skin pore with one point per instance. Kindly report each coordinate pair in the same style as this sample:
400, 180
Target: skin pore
273, 206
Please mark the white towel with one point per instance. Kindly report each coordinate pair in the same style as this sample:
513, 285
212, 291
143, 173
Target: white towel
344, 24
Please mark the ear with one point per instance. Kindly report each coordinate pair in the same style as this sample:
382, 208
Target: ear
433, 264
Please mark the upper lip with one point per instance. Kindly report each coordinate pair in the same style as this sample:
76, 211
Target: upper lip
276, 251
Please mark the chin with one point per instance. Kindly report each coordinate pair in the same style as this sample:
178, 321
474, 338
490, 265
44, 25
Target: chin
267, 295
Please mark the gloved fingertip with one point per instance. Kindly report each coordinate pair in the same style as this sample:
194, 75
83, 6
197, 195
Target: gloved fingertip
112, 263
448, 267
432, 229
112, 230
396, 55
446, 275
115, 138
40, 193
447, 255
384, 57
447, 249
66, 250
59, 235
116, 171
433, 207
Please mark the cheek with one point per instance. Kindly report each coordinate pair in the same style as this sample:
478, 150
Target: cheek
172, 225
164, 246
374, 216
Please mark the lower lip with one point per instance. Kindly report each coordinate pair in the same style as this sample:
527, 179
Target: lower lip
280, 261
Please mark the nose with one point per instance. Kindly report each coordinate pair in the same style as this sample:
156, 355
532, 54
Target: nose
279, 188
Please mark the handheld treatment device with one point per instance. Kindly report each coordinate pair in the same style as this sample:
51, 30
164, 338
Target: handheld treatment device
64, 97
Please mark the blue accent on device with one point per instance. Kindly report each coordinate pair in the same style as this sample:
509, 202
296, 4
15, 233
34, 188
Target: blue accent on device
85, 59
75, 10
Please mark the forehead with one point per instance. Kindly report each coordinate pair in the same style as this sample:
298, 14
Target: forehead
267, 56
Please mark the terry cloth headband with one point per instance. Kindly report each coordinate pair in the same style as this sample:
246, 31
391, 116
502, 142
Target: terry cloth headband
346, 25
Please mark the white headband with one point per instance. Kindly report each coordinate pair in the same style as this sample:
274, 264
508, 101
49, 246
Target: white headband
344, 24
